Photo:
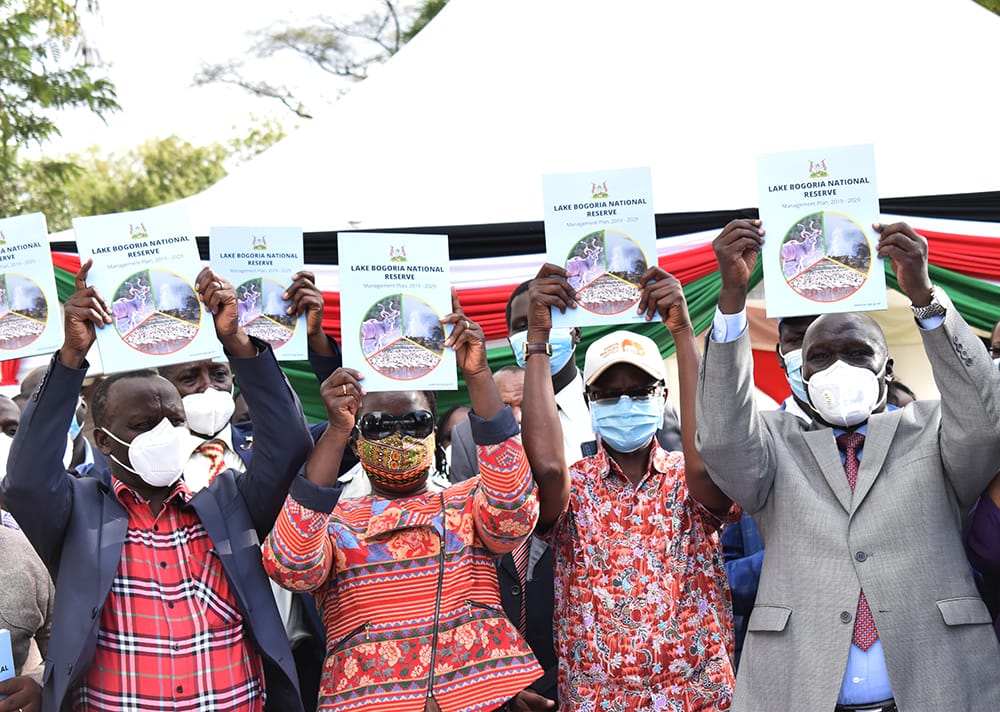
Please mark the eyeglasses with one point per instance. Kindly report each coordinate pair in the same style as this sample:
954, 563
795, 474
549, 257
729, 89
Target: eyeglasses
378, 426
995, 351
637, 394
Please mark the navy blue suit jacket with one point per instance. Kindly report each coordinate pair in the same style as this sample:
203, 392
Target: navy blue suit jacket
78, 526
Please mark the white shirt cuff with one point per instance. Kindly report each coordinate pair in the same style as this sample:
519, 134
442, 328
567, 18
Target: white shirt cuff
728, 327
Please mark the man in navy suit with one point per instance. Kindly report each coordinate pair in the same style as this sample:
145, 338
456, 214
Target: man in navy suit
206, 389
163, 600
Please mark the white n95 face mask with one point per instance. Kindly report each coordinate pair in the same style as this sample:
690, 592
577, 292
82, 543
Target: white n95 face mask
845, 395
158, 456
208, 412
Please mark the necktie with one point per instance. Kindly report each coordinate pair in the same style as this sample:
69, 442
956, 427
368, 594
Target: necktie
520, 556
865, 634
215, 451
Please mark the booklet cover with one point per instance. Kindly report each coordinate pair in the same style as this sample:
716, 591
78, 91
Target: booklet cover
29, 304
6, 657
145, 265
601, 228
394, 290
260, 262
817, 208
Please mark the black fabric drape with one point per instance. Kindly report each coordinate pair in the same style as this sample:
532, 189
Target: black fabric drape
520, 238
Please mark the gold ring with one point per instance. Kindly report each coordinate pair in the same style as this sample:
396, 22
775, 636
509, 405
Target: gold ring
218, 284
466, 322
344, 386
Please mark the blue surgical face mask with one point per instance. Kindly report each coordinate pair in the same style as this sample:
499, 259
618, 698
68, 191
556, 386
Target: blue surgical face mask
628, 424
561, 341
793, 372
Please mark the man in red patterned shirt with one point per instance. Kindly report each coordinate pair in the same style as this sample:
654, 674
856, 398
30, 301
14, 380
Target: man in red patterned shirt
162, 603
643, 619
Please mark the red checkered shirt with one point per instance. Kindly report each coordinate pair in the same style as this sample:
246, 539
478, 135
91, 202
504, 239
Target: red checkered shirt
171, 635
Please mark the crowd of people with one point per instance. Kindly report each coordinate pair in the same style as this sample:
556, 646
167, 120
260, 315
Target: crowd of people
566, 541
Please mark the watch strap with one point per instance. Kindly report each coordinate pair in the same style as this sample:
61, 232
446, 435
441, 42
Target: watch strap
537, 348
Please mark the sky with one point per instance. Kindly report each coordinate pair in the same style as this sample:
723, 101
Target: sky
154, 49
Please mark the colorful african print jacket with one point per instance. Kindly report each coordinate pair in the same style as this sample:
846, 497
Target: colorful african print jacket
405, 617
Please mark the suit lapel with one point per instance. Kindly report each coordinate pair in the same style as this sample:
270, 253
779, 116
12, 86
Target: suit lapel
824, 449
881, 429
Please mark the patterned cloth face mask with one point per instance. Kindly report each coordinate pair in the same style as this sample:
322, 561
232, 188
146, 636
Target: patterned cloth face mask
397, 451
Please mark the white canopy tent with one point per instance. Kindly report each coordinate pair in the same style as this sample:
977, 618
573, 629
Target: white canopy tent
459, 126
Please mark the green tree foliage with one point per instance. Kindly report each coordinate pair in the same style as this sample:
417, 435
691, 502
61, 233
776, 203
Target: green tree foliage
991, 5
341, 49
156, 172
44, 66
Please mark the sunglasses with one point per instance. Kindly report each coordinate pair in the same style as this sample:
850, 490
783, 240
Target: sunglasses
637, 394
378, 426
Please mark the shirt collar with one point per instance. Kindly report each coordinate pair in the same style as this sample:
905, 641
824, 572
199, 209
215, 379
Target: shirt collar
658, 462
179, 490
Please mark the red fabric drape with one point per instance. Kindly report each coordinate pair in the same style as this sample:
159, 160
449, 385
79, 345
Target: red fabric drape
8, 372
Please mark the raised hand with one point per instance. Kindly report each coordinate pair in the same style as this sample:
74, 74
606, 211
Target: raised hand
342, 393
84, 310
219, 298
548, 289
663, 295
737, 249
467, 339
907, 251
307, 299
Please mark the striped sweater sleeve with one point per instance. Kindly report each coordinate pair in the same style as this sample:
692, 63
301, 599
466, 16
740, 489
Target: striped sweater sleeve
506, 503
298, 552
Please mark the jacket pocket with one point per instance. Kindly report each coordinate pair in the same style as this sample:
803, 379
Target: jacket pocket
967, 610
769, 618
342, 643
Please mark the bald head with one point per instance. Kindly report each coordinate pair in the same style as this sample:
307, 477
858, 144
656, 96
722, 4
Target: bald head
853, 338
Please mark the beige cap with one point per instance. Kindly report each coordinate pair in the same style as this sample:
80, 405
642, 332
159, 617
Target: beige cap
623, 347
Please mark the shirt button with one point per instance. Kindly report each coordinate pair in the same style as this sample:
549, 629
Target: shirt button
93, 613
170, 604
163, 564
515, 590
176, 646
861, 556
156, 527
180, 688
845, 617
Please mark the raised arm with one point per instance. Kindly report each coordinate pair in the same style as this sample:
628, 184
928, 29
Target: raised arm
306, 298
281, 439
663, 295
730, 437
965, 376
506, 505
542, 430
37, 489
298, 553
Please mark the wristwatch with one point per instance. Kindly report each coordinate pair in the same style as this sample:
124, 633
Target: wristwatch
935, 308
543, 348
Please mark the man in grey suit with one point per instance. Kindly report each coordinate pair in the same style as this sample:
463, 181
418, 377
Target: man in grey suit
866, 601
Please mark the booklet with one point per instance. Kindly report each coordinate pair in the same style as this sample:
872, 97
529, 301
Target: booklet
601, 228
817, 208
29, 304
260, 262
6, 657
145, 265
394, 290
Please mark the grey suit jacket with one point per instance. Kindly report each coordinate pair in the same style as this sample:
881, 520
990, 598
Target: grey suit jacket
897, 536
